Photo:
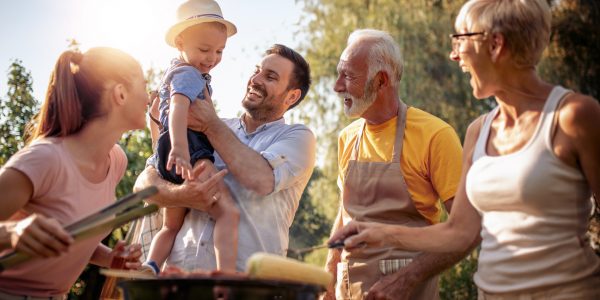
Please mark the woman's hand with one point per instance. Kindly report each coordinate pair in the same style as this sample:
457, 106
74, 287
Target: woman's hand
126, 256
39, 236
361, 234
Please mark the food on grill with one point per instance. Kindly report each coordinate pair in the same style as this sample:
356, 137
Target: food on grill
269, 266
175, 272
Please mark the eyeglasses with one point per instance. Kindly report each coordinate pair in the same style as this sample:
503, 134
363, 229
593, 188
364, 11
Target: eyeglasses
459, 37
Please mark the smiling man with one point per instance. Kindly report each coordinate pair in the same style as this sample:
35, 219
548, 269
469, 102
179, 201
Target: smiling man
395, 162
269, 163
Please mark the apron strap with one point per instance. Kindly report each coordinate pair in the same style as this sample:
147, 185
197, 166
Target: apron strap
355, 149
400, 125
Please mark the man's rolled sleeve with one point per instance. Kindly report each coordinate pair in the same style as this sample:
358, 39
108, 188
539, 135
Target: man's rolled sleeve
291, 157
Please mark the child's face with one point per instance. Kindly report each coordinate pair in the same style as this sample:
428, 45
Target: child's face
202, 45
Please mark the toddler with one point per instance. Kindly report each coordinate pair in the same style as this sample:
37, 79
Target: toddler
200, 36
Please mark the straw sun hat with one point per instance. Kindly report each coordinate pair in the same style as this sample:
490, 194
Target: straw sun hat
194, 12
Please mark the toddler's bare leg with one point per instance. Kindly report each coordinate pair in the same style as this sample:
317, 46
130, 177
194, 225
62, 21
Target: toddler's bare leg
164, 239
227, 218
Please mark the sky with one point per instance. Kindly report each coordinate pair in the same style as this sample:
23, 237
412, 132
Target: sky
37, 31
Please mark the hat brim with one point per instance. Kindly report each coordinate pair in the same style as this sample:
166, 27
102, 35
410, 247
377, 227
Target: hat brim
178, 28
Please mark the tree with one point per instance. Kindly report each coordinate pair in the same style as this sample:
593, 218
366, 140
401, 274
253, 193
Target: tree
574, 51
16, 110
310, 224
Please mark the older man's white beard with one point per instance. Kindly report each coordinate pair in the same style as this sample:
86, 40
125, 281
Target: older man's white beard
359, 105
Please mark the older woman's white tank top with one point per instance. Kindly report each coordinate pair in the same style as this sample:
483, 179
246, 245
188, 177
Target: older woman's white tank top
534, 210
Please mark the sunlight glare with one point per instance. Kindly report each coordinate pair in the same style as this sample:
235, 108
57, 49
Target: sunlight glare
130, 25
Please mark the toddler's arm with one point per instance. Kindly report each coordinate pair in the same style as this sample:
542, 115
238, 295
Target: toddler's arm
180, 154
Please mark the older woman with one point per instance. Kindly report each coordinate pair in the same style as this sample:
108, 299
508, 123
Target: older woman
530, 166
69, 170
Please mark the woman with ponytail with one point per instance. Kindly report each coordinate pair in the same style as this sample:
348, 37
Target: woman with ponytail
69, 169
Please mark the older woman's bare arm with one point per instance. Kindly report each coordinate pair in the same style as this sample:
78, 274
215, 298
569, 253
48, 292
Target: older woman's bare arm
579, 121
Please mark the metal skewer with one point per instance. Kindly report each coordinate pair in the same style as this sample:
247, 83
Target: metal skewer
336, 245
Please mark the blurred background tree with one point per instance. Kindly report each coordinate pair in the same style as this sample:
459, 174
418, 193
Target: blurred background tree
16, 110
573, 57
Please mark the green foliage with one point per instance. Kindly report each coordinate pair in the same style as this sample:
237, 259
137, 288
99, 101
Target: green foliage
73, 45
310, 224
16, 110
457, 282
574, 51
138, 147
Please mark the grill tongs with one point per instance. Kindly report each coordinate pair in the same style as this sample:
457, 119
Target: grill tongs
126, 209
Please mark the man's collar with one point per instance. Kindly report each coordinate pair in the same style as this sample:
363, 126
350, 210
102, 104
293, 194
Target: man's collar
242, 124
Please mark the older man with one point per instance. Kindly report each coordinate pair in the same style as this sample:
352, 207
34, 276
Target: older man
269, 163
395, 162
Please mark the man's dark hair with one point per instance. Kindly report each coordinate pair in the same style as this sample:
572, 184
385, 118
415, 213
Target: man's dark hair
301, 73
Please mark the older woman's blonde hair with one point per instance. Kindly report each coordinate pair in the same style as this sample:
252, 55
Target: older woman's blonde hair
525, 25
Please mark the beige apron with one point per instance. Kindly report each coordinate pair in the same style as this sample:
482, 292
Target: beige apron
377, 192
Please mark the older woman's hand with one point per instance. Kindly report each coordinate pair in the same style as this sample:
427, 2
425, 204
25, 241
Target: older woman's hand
361, 234
39, 236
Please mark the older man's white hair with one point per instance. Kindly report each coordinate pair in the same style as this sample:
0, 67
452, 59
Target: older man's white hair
384, 53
